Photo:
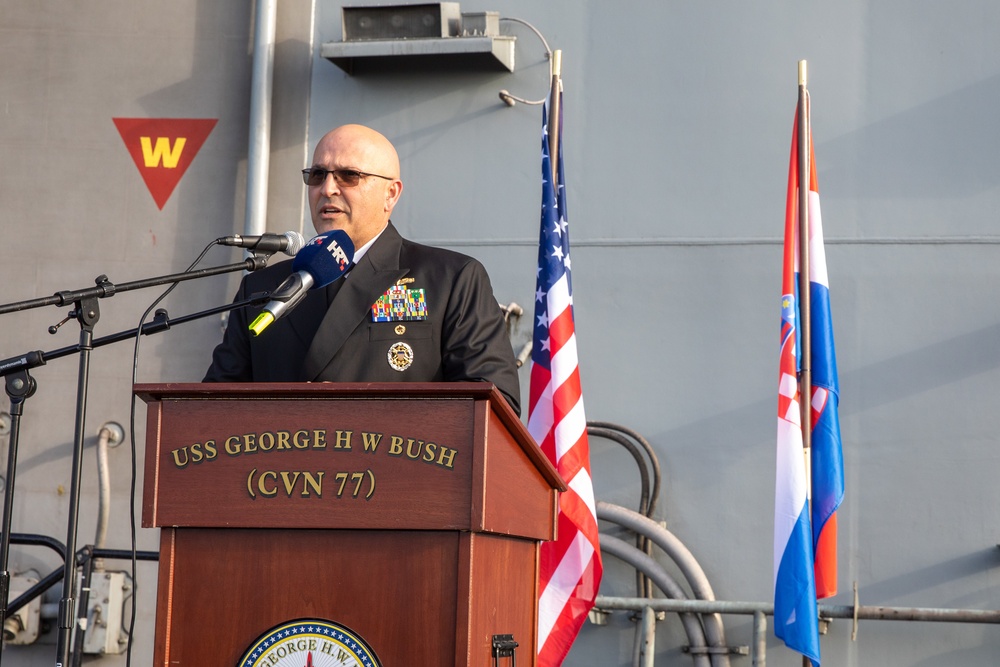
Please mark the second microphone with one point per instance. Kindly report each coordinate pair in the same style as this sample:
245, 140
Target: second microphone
322, 260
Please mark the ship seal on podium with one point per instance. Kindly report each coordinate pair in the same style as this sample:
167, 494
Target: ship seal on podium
309, 642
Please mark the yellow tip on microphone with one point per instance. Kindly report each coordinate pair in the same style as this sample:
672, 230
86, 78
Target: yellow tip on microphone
262, 322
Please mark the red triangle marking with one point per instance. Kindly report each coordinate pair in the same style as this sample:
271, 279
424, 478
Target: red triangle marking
163, 149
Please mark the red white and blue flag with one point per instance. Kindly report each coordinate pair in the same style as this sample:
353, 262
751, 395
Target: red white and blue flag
570, 568
805, 547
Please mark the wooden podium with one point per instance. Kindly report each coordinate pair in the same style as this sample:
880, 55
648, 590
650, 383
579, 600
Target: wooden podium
410, 514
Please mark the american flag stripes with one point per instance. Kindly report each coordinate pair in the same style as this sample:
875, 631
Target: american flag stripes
570, 570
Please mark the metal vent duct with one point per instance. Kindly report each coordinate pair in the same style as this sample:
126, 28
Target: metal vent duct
427, 21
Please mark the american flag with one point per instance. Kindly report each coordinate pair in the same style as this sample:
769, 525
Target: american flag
570, 571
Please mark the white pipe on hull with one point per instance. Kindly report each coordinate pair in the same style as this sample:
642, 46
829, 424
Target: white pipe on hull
259, 148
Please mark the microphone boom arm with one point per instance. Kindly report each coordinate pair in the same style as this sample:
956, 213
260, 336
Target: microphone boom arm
161, 322
106, 288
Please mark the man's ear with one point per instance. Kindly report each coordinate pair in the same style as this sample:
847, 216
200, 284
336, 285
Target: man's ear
392, 194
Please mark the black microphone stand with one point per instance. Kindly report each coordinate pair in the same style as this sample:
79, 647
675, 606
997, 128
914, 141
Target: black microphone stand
20, 386
106, 288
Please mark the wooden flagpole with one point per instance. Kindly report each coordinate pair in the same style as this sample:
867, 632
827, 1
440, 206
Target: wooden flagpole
805, 302
805, 305
555, 113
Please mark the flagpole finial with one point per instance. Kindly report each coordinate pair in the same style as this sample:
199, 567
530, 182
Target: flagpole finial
803, 75
557, 63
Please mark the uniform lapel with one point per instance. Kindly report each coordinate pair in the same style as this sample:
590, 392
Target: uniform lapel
307, 316
376, 272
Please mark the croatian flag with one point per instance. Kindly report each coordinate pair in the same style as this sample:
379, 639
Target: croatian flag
805, 565
570, 568
827, 451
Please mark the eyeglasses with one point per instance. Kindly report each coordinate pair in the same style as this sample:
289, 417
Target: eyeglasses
347, 178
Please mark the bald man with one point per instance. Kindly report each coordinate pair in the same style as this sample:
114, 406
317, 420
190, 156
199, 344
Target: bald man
336, 334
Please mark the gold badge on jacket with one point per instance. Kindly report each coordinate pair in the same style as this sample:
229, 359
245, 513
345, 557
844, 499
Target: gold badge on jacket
400, 356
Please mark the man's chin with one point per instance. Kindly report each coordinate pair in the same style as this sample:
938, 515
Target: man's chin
324, 226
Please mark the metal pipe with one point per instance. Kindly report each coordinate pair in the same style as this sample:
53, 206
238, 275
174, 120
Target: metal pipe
685, 560
877, 613
684, 605
642, 561
643, 586
259, 149
648, 500
759, 658
623, 440
103, 492
649, 637
110, 434
654, 462
868, 613
32, 539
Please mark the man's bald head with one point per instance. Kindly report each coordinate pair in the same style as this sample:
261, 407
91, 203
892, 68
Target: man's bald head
371, 148
362, 210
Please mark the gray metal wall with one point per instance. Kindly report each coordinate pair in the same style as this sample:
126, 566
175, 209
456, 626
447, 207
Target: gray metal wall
678, 120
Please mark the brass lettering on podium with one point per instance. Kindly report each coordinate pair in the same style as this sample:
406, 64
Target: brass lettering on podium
249, 444
275, 475
418, 450
309, 484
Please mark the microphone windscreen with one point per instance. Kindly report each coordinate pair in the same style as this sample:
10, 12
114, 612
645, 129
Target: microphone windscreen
325, 257
295, 243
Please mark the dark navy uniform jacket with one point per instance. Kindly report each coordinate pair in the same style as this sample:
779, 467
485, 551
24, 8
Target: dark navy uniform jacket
332, 336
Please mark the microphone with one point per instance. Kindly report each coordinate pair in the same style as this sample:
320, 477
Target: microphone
323, 259
289, 243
